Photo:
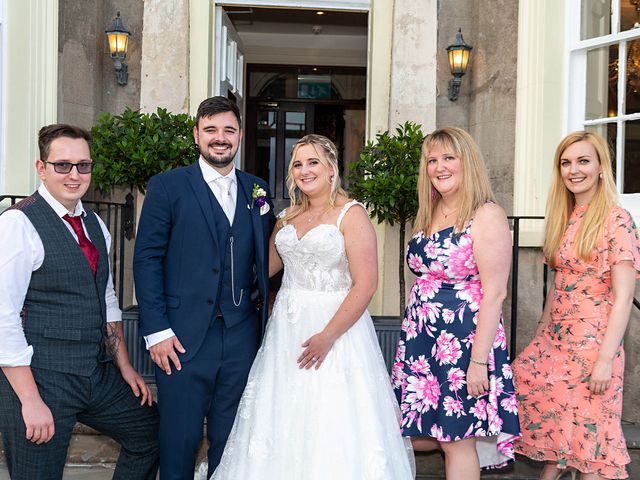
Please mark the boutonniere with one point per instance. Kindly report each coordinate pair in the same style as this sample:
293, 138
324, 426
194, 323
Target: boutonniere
259, 197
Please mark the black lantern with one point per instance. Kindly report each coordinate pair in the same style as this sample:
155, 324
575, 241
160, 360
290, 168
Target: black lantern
118, 39
458, 60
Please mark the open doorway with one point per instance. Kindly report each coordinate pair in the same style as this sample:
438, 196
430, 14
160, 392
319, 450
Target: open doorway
304, 72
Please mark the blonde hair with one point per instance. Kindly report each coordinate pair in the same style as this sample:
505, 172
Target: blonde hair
561, 201
475, 188
329, 158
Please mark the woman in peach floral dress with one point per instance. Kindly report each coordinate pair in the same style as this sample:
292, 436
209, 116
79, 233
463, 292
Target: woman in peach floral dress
569, 378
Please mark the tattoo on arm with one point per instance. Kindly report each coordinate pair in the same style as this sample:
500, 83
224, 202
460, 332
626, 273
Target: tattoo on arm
112, 340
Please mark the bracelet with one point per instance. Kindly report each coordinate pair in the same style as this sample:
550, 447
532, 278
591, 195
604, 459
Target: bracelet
479, 363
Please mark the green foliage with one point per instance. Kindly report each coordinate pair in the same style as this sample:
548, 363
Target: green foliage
385, 178
130, 148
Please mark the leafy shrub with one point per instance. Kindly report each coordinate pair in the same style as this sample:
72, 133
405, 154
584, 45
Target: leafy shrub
385, 179
130, 148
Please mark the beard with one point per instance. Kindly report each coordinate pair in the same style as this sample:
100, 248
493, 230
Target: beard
215, 160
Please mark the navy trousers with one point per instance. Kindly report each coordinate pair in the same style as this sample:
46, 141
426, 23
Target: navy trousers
102, 401
208, 386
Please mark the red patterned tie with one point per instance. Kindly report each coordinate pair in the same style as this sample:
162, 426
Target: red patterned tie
88, 248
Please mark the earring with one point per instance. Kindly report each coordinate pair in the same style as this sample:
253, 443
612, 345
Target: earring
600, 175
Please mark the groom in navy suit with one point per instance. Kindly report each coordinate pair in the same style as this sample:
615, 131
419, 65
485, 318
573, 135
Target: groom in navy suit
201, 274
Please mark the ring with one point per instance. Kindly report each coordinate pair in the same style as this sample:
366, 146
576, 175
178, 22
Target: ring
314, 359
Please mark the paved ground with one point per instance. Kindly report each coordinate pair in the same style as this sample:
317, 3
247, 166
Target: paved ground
92, 452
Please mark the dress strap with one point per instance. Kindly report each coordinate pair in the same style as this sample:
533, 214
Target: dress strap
281, 215
346, 207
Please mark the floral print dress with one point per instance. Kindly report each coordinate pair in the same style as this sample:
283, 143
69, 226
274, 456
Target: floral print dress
561, 420
434, 350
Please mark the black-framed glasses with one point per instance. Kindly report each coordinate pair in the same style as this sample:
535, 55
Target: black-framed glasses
66, 167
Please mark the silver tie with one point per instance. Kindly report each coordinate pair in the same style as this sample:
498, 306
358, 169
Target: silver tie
226, 199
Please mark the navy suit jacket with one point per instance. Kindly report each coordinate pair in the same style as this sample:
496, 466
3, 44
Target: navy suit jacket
177, 264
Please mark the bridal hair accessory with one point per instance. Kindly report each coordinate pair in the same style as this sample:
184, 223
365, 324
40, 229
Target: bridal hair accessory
259, 197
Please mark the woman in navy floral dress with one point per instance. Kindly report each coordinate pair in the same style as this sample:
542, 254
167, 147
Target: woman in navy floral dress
451, 374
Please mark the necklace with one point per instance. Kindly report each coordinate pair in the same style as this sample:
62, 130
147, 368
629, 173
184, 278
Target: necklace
446, 215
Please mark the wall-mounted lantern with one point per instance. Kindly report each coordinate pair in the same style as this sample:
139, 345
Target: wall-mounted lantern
118, 39
458, 61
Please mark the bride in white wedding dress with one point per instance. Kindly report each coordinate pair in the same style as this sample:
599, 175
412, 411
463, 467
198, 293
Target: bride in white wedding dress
318, 402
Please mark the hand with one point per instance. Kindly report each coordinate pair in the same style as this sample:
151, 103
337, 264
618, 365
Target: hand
600, 376
315, 351
477, 380
38, 421
137, 384
164, 351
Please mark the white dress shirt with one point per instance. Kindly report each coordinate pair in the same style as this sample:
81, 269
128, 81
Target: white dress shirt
210, 175
21, 253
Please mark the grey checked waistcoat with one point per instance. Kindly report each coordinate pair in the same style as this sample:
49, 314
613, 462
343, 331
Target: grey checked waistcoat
64, 310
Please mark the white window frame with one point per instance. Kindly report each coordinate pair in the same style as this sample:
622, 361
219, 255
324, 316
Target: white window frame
3, 43
576, 66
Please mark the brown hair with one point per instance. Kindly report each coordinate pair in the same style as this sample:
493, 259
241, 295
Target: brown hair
49, 133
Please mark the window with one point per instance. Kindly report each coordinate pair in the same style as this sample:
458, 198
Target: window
604, 80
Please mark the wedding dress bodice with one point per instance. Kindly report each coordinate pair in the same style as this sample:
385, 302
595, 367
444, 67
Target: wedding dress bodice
318, 260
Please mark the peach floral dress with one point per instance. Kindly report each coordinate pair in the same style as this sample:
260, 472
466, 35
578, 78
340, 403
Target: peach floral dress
561, 420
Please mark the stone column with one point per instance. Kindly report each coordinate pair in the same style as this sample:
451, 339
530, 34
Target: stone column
165, 56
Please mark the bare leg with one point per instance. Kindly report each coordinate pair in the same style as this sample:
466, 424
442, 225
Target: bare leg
425, 444
461, 460
590, 476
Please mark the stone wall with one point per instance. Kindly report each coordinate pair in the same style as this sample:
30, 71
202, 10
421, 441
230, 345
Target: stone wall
486, 106
87, 82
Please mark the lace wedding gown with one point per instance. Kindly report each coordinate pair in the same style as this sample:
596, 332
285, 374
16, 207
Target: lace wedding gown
340, 422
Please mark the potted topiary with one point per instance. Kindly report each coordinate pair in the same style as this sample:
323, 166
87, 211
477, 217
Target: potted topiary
385, 179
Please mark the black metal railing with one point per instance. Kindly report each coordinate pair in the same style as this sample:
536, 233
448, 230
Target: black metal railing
118, 217
515, 264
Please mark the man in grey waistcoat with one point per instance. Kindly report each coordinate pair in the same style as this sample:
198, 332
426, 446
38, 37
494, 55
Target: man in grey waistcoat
62, 354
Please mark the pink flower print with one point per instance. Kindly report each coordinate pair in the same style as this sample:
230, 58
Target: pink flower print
428, 310
409, 418
456, 379
416, 264
427, 287
501, 340
462, 263
471, 292
453, 407
436, 432
397, 374
495, 422
496, 385
506, 371
436, 269
400, 351
492, 362
479, 410
420, 366
506, 447
447, 349
409, 326
468, 340
510, 404
425, 392
431, 249
448, 315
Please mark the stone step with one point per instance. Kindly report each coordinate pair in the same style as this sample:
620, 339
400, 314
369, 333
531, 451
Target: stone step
92, 455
